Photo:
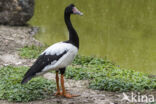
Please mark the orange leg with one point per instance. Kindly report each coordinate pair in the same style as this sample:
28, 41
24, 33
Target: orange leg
57, 83
67, 95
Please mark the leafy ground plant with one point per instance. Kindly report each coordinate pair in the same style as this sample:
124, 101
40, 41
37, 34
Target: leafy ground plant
104, 75
152, 103
30, 52
12, 90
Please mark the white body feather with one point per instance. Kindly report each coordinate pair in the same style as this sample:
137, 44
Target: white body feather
65, 60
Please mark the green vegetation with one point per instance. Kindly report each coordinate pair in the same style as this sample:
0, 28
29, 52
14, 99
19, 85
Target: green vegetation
104, 75
101, 73
12, 90
152, 103
30, 52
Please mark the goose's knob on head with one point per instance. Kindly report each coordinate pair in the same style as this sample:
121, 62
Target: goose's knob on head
71, 9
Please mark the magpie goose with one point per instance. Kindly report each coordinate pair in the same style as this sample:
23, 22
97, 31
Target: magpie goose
58, 56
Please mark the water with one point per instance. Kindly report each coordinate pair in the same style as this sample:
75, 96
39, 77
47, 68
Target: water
122, 30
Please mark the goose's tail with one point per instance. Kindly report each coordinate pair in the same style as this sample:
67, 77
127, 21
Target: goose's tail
28, 76
26, 79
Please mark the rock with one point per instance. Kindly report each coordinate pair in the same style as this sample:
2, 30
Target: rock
16, 12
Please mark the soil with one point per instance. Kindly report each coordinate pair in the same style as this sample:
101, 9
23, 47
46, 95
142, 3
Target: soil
13, 38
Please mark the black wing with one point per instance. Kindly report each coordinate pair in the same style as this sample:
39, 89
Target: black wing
42, 61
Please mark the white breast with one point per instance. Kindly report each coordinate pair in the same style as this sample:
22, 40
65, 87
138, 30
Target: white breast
67, 59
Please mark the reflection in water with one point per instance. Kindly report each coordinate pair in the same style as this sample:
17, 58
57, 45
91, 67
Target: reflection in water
122, 30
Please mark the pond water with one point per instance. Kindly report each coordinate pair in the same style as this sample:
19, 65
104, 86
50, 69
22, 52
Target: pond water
124, 31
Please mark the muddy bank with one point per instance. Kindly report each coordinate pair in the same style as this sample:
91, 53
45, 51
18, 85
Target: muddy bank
13, 38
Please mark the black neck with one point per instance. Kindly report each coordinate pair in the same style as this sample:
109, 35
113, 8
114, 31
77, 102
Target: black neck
73, 37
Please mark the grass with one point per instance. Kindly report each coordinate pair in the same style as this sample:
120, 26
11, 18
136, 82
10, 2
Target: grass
12, 90
152, 103
30, 52
103, 74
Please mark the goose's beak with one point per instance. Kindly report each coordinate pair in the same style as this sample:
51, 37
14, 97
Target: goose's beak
76, 11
